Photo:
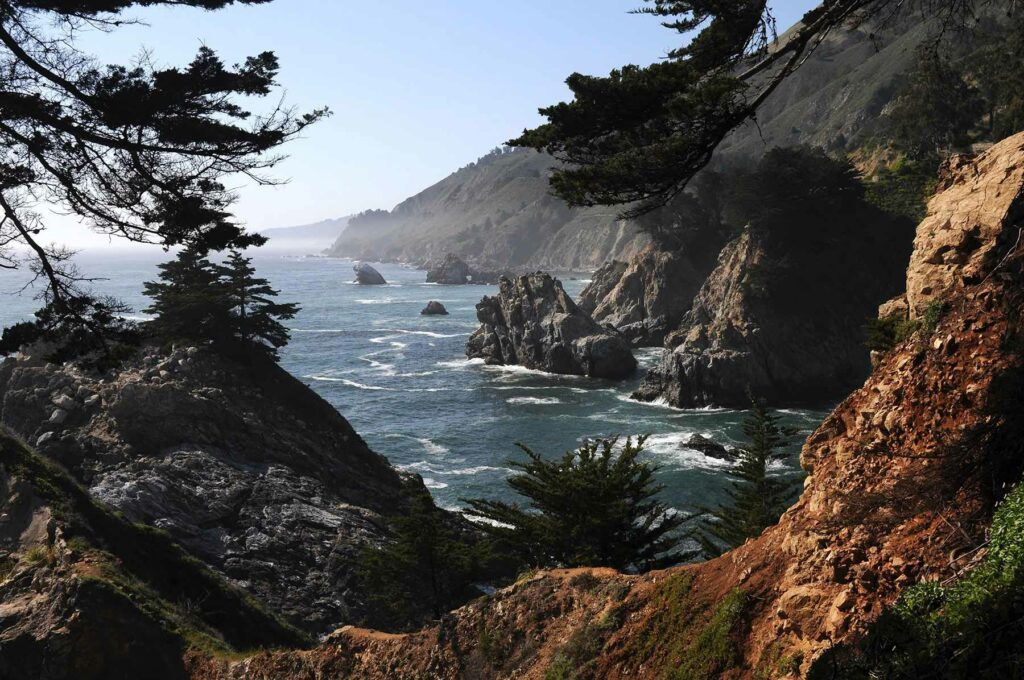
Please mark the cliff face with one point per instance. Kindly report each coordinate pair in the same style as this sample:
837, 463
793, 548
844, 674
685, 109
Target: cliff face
85, 594
646, 299
244, 465
903, 479
783, 318
532, 322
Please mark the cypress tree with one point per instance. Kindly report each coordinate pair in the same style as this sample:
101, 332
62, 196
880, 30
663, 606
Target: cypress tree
254, 315
188, 300
756, 498
592, 507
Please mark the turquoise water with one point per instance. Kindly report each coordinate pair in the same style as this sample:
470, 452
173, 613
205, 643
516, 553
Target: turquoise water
403, 380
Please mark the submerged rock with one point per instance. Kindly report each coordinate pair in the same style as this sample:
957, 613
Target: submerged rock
709, 447
434, 308
368, 276
532, 322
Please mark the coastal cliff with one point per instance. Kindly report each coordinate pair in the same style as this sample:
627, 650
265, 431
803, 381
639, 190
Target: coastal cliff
903, 479
241, 463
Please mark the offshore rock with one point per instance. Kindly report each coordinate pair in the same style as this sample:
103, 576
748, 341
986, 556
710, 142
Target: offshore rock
532, 322
454, 271
434, 308
242, 464
368, 276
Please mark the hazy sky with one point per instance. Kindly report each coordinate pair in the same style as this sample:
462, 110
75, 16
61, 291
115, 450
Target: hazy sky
418, 88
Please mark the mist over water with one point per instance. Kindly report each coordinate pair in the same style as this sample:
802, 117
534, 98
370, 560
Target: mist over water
404, 382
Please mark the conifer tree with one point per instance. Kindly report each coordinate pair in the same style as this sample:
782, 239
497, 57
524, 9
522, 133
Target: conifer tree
188, 301
756, 498
255, 318
592, 507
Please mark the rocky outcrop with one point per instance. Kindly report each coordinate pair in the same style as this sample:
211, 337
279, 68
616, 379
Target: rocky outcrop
244, 465
646, 299
532, 322
903, 478
86, 594
709, 447
454, 271
434, 308
368, 276
975, 216
784, 318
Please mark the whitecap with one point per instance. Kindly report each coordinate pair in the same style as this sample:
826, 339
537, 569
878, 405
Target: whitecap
460, 363
534, 400
476, 470
671, 449
350, 383
432, 483
377, 301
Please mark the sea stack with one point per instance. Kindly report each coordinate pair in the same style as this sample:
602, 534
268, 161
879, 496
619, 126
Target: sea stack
367, 275
434, 308
532, 322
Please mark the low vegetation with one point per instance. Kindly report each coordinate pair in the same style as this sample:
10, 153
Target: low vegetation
970, 627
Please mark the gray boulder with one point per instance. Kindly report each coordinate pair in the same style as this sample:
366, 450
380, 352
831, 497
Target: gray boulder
532, 322
367, 275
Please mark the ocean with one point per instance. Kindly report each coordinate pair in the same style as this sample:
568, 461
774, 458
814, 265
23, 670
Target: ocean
404, 383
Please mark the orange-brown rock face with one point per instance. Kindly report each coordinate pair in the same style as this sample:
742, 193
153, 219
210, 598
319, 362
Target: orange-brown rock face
903, 476
970, 220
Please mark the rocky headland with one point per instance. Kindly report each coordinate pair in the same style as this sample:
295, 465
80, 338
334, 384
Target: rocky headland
646, 298
532, 322
903, 479
241, 463
783, 317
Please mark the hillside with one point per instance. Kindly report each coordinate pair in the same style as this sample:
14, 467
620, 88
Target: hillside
307, 237
496, 213
499, 212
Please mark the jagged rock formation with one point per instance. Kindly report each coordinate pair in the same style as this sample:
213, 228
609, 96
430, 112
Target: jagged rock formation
452, 270
434, 308
965, 228
244, 465
902, 480
709, 447
367, 275
783, 317
532, 322
85, 594
646, 299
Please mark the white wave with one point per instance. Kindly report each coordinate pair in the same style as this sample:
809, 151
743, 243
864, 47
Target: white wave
476, 470
318, 330
460, 363
514, 370
378, 301
671, 449
429, 334
350, 383
534, 400
432, 483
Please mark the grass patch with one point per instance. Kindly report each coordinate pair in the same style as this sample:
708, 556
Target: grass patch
585, 581
884, 334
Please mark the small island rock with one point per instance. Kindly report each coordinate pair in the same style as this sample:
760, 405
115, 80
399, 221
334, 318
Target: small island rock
368, 276
434, 308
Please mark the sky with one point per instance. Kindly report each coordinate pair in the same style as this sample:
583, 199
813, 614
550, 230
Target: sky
417, 89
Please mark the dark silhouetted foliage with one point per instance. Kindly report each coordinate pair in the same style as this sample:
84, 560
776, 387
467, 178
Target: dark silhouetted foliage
592, 507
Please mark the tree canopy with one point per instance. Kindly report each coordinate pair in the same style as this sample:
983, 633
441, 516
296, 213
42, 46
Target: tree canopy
594, 506
137, 152
640, 134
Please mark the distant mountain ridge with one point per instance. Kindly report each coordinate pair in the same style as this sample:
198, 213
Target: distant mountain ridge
499, 211
316, 237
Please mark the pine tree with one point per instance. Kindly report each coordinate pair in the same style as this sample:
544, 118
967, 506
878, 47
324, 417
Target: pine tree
188, 301
756, 498
427, 565
254, 315
592, 507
